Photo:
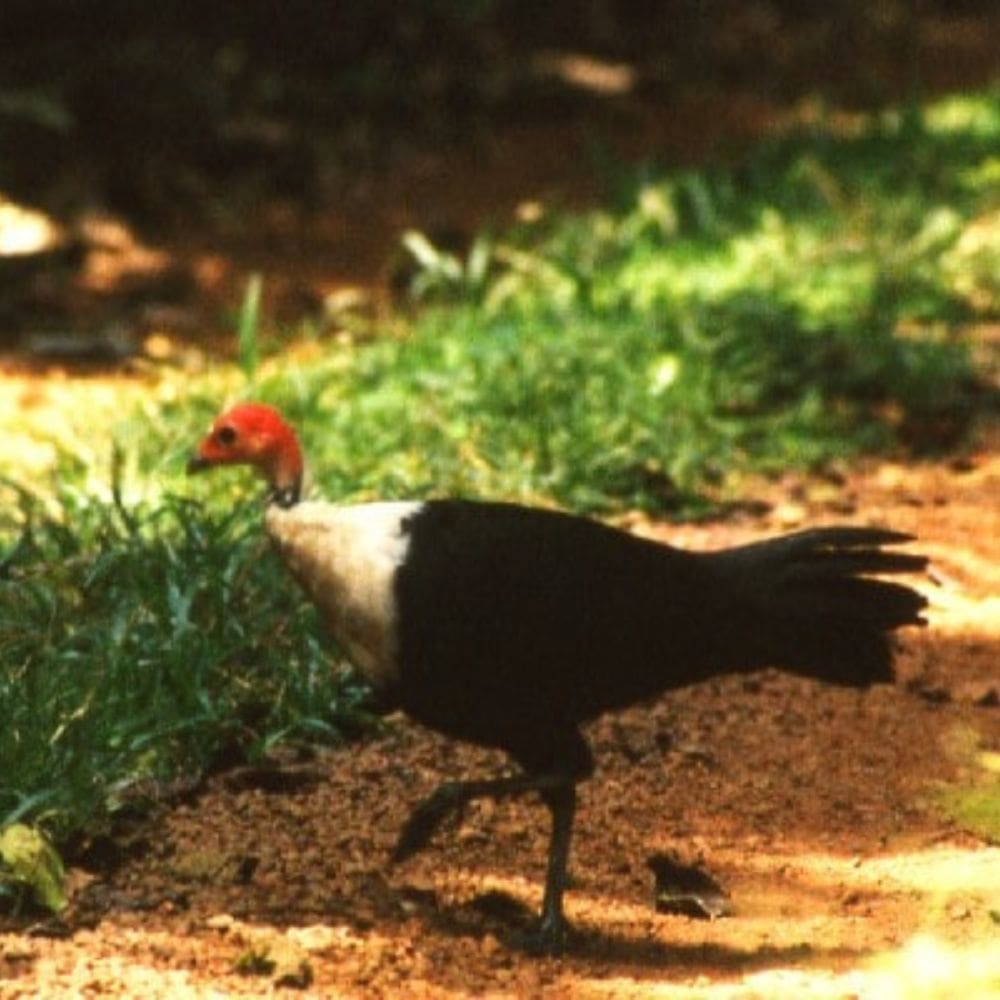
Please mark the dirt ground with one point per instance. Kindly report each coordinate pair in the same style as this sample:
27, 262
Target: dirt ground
814, 808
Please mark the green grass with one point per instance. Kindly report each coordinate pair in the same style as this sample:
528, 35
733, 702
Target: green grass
973, 801
976, 809
142, 643
804, 305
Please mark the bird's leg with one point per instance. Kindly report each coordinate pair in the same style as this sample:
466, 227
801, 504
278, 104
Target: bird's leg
558, 793
452, 797
549, 935
561, 800
448, 798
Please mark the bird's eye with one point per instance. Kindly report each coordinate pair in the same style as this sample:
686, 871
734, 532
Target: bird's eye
225, 435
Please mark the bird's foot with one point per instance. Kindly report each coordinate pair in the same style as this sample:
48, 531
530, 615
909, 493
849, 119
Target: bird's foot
446, 800
548, 937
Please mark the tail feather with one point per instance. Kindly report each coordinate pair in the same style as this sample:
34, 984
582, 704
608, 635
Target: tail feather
830, 564
866, 598
820, 539
819, 607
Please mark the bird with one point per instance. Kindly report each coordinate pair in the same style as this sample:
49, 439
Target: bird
511, 626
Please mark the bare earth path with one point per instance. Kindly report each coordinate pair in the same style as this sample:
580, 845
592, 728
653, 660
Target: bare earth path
814, 808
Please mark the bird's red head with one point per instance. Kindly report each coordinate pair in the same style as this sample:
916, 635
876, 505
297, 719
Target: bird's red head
254, 434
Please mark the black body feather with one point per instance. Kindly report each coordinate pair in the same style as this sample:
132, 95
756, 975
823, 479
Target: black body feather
516, 624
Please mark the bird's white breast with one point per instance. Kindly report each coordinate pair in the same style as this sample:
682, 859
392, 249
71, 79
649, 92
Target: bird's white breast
346, 560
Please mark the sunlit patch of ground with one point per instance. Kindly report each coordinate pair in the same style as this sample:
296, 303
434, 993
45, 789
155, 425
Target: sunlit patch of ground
923, 969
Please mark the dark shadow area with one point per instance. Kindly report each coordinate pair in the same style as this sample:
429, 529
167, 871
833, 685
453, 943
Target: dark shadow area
511, 922
178, 147
153, 112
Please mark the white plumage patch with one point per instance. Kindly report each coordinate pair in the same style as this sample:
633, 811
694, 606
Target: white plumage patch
346, 559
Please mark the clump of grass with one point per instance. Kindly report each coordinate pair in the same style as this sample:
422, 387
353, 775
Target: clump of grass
805, 304
142, 643
976, 809
974, 801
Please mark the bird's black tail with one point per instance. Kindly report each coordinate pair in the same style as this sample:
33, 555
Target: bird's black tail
815, 606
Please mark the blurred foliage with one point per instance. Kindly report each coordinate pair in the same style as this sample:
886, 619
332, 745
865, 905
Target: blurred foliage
158, 110
803, 305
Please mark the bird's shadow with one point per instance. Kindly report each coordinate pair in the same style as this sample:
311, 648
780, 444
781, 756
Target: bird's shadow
512, 923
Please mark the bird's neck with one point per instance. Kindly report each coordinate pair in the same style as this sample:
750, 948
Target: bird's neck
285, 496
284, 471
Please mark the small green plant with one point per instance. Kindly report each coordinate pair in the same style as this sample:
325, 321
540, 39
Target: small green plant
975, 803
30, 865
248, 329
